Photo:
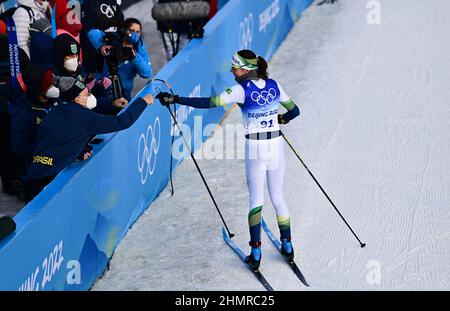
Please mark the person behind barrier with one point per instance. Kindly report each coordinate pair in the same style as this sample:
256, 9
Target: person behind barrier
6, 172
103, 15
8, 91
64, 134
66, 59
67, 62
66, 56
259, 99
29, 111
140, 63
41, 42
27, 13
125, 52
67, 20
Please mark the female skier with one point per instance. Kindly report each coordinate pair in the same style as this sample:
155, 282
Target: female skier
259, 98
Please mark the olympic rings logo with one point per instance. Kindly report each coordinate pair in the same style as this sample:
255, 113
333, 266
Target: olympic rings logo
148, 149
108, 10
246, 33
265, 97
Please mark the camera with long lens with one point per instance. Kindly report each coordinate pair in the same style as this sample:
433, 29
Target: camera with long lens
118, 53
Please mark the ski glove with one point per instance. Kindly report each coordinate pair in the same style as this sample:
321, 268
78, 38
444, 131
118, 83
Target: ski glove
166, 98
288, 116
281, 120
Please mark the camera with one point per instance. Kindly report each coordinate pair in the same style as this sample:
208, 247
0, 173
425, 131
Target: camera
118, 53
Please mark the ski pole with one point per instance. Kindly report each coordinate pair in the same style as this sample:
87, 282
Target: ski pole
171, 145
231, 235
303, 163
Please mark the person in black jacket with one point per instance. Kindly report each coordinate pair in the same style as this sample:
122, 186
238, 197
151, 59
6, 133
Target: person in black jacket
105, 15
11, 184
28, 112
64, 133
66, 56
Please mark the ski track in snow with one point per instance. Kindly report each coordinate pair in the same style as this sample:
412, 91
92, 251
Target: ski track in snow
373, 129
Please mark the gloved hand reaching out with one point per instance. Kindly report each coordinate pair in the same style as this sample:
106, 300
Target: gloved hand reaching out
166, 98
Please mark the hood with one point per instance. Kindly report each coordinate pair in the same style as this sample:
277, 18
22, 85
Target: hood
32, 76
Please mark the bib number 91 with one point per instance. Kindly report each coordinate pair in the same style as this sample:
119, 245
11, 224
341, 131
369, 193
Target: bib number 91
265, 124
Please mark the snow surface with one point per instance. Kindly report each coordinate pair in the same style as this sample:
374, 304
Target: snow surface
374, 130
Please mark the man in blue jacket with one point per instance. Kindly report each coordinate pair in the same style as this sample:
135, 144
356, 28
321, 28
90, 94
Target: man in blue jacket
68, 127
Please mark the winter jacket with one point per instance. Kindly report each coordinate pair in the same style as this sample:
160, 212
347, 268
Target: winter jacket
66, 130
25, 119
22, 21
27, 112
41, 48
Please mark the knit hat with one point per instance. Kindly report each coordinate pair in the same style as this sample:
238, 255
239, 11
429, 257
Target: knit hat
38, 79
69, 88
64, 45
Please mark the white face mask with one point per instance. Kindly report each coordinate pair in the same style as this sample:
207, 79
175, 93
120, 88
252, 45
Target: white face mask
71, 64
91, 102
52, 92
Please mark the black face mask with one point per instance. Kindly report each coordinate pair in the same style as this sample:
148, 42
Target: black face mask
251, 75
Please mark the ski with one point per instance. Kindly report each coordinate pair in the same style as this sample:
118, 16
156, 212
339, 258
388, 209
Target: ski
277, 244
242, 256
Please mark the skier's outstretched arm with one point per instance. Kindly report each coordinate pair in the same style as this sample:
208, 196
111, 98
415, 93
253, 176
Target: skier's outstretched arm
231, 95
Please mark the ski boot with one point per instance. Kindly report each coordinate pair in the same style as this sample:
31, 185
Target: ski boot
287, 250
254, 259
